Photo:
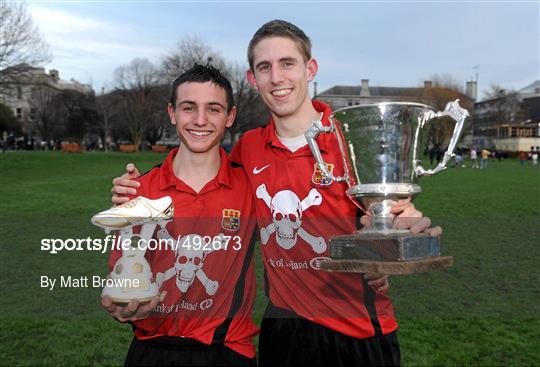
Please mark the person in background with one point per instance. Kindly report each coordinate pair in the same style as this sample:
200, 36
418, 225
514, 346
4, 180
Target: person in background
522, 158
474, 158
484, 160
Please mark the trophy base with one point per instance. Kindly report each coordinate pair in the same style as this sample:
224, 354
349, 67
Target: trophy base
384, 246
387, 267
123, 295
385, 253
122, 301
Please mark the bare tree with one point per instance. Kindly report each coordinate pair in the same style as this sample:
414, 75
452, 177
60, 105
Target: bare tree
136, 85
445, 89
106, 104
506, 106
251, 111
48, 118
20, 40
189, 51
79, 111
160, 121
446, 80
21, 46
9, 123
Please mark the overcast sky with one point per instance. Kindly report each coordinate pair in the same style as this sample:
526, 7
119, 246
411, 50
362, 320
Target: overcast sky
391, 43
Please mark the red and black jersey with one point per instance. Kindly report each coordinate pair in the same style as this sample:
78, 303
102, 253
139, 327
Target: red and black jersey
210, 293
298, 210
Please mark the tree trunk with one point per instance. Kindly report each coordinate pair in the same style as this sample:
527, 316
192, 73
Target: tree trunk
137, 139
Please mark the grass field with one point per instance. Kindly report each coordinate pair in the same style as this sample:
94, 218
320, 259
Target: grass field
483, 311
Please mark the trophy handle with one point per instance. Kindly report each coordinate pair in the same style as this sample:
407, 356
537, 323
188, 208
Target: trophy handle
311, 134
458, 114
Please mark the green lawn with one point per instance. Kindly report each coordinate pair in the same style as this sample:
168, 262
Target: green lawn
483, 311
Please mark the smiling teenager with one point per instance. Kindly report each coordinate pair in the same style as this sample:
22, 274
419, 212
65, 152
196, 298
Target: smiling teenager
313, 317
203, 316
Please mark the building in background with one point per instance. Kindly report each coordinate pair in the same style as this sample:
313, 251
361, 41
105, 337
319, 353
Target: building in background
19, 86
510, 122
340, 96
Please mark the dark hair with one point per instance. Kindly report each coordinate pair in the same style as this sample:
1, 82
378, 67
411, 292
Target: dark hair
201, 74
280, 28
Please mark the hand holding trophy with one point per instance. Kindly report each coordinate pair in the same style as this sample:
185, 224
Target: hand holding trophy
132, 276
381, 145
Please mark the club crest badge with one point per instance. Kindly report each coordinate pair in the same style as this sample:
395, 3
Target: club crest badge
230, 220
318, 177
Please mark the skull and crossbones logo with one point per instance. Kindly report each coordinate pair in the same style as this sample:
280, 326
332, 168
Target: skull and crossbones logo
287, 210
189, 261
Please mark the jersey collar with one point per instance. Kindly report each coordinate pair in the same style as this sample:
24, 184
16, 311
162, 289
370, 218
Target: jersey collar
167, 177
323, 140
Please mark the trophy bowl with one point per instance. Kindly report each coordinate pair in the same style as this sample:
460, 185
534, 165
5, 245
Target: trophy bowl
381, 146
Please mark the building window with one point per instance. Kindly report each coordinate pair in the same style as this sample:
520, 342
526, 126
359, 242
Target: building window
525, 132
350, 103
19, 93
32, 113
18, 113
514, 132
356, 103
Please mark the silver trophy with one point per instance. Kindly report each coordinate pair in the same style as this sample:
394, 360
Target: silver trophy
381, 146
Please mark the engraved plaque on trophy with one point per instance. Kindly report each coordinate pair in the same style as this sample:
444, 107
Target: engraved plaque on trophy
381, 146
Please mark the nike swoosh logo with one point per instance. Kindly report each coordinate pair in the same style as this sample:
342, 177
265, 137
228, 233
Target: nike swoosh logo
256, 170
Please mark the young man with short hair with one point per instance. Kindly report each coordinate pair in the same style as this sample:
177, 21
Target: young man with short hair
313, 317
203, 316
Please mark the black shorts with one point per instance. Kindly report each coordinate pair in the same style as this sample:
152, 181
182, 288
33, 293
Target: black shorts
289, 340
171, 351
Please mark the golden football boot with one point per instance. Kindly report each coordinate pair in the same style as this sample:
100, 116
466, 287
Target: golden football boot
136, 211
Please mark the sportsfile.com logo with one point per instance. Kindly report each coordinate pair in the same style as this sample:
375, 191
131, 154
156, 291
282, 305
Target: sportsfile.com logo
113, 242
